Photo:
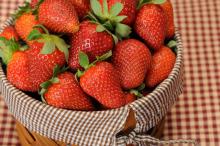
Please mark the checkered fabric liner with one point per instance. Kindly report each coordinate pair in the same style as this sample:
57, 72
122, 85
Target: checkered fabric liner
197, 112
93, 128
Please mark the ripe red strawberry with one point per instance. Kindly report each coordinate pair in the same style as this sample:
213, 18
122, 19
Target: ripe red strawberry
91, 42
132, 59
9, 33
66, 93
42, 64
129, 98
168, 9
101, 82
59, 16
162, 64
82, 7
27, 70
24, 25
129, 10
18, 72
151, 25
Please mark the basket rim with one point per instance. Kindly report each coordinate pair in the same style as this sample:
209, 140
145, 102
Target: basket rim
163, 84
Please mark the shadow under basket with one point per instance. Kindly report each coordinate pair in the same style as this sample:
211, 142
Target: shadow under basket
96, 128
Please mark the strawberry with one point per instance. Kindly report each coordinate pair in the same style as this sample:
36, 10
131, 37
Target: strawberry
18, 72
24, 25
88, 40
168, 9
162, 64
101, 82
27, 70
59, 16
129, 10
9, 33
129, 98
63, 91
132, 59
82, 7
42, 65
151, 25
25, 20
17, 62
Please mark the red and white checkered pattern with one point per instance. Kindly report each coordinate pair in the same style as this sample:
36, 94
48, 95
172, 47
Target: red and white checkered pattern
197, 113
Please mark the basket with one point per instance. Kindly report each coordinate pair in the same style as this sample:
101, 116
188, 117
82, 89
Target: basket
98, 128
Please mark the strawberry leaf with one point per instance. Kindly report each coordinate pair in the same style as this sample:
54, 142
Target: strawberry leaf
100, 28
62, 46
42, 92
55, 80
105, 8
142, 2
123, 30
108, 25
56, 70
45, 85
48, 48
105, 56
119, 18
96, 7
79, 73
23, 48
141, 87
115, 38
158, 1
83, 60
7, 49
172, 44
21, 10
136, 93
34, 34
116, 9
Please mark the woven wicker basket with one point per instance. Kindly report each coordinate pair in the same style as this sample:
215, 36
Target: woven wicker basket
99, 128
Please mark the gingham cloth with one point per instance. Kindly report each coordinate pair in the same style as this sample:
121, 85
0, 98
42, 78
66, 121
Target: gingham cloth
197, 112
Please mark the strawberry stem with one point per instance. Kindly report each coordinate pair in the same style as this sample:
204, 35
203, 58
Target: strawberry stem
42, 27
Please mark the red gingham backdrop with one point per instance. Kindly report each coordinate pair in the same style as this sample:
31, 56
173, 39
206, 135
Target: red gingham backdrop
196, 115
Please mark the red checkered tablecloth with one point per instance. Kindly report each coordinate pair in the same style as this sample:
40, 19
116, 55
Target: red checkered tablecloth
196, 115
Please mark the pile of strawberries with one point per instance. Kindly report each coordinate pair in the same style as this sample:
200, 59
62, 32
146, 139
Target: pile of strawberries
89, 55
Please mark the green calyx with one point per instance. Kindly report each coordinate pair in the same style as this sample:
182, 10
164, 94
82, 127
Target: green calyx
22, 9
143, 2
172, 44
27, 9
137, 91
108, 19
54, 80
8, 48
51, 42
84, 61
